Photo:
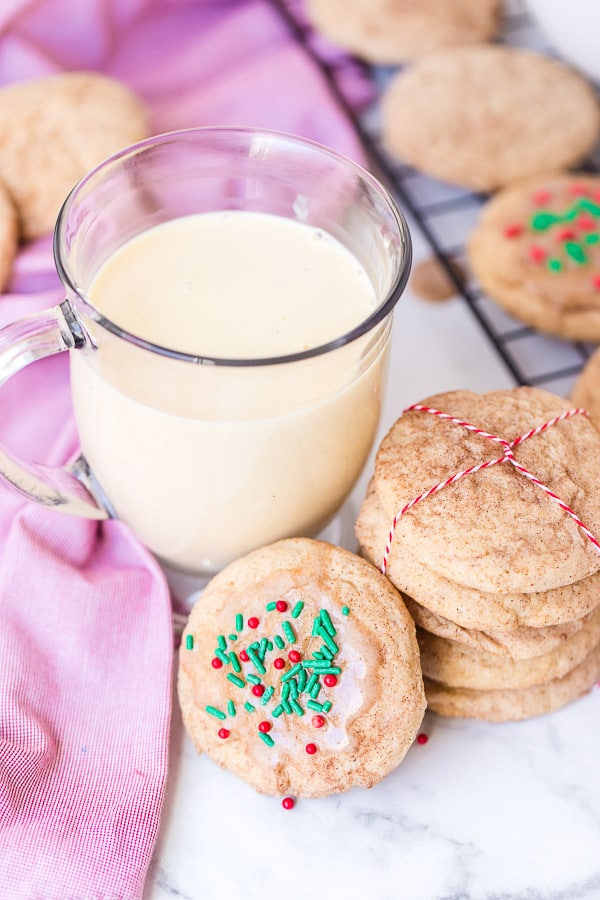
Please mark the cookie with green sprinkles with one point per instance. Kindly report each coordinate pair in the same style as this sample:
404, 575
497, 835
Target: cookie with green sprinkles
327, 693
536, 252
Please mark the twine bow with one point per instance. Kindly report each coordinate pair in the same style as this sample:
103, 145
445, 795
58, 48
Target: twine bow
507, 456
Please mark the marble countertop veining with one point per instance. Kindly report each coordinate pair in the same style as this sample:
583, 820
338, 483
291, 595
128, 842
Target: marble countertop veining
479, 812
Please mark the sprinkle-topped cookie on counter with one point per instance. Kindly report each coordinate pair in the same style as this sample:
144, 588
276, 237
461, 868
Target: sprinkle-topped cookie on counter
536, 251
299, 671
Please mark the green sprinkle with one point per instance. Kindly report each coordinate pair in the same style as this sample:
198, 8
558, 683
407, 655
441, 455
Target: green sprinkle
271, 606
215, 712
590, 206
222, 642
279, 642
315, 690
327, 654
592, 238
316, 664
254, 645
293, 688
267, 696
576, 252
262, 649
345, 610
311, 682
292, 672
222, 656
239, 682
189, 642
277, 711
555, 265
312, 704
333, 670
328, 623
231, 707
256, 662
239, 622
253, 679
318, 655
541, 221
289, 632
286, 707
266, 738
301, 679
248, 707
327, 706
233, 637
297, 609
235, 661
329, 641
316, 626
296, 707
285, 691
269, 646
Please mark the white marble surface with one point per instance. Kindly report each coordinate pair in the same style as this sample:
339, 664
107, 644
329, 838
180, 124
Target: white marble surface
480, 811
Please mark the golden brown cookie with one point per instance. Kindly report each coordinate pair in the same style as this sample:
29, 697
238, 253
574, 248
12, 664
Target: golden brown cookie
393, 31
536, 251
457, 665
470, 609
586, 390
494, 529
485, 116
299, 671
513, 705
9, 235
53, 130
430, 281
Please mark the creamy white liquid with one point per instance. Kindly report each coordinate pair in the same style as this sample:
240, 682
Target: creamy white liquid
207, 462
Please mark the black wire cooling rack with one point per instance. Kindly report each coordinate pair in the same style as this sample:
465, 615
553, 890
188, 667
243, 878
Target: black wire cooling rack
445, 215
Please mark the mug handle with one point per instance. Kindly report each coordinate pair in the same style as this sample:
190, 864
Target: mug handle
43, 334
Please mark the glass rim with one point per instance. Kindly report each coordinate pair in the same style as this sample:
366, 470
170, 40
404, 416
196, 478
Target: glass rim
363, 327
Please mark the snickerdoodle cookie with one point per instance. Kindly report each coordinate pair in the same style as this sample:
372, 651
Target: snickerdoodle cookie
536, 251
9, 235
299, 671
485, 116
586, 390
393, 31
53, 130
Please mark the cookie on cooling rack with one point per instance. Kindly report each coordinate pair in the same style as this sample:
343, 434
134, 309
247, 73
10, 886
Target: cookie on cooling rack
485, 116
299, 671
586, 390
53, 130
536, 251
393, 31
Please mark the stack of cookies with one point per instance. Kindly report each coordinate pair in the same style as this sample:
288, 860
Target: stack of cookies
498, 561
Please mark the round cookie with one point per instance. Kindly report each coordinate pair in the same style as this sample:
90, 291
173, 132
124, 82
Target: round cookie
517, 704
515, 643
586, 391
457, 665
53, 131
9, 236
243, 658
494, 530
393, 31
470, 608
536, 251
485, 116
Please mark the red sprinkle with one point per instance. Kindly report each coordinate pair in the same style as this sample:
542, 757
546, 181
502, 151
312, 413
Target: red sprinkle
317, 721
513, 230
265, 726
258, 690
541, 197
422, 738
585, 222
579, 190
216, 663
330, 680
244, 656
565, 234
294, 656
311, 749
596, 282
223, 733
537, 254
281, 605
279, 663
253, 622
288, 803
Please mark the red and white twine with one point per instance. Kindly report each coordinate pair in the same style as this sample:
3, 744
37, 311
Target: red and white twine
507, 456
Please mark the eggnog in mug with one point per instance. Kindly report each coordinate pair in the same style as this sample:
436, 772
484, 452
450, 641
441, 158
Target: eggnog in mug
232, 459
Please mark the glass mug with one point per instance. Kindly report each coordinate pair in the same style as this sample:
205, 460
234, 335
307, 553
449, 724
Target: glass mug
208, 458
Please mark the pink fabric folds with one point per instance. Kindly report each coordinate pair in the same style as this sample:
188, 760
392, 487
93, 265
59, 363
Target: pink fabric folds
85, 627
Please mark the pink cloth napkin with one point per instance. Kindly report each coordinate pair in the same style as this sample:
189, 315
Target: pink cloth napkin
85, 616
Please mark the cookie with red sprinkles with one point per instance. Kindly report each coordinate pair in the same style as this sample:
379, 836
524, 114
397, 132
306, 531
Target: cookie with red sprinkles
536, 252
319, 688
